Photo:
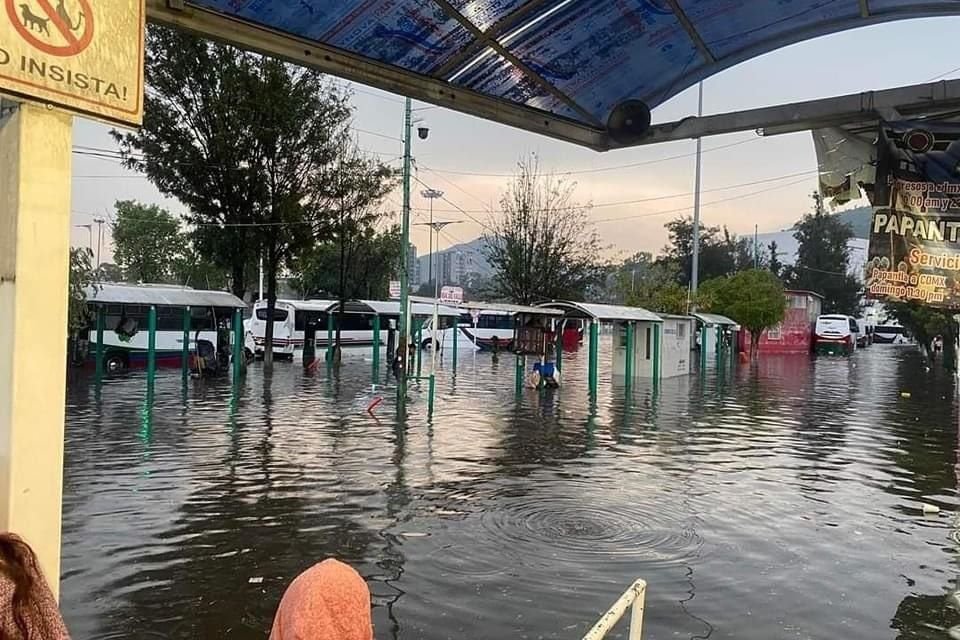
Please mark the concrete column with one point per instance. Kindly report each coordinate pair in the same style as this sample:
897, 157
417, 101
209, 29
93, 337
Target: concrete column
34, 273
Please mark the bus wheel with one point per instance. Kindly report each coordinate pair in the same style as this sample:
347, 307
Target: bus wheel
429, 344
116, 363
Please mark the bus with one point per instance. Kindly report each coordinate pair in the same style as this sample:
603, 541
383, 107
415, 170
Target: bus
477, 327
890, 334
126, 308
290, 318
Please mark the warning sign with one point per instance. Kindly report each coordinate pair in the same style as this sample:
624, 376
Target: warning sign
86, 57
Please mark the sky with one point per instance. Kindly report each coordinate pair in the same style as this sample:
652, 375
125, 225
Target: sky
470, 159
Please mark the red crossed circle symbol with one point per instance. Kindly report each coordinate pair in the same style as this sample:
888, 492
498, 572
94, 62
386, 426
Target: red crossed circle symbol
36, 18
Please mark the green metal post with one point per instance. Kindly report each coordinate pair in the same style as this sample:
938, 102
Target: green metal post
151, 347
719, 344
419, 341
329, 338
432, 389
593, 374
376, 348
703, 348
185, 347
656, 352
403, 326
101, 324
518, 372
237, 344
456, 332
628, 367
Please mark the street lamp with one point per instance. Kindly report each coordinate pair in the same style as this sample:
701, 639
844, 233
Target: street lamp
431, 195
99, 222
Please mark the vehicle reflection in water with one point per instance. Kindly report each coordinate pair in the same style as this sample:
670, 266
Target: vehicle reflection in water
770, 500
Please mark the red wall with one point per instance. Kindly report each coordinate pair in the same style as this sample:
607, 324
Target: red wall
795, 333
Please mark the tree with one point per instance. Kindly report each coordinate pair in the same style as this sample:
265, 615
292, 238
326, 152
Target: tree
246, 143
82, 276
146, 240
823, 260
755, 300
773, 260
191, 268
925, 323
109, 272
195, 143
542, 244
721, 252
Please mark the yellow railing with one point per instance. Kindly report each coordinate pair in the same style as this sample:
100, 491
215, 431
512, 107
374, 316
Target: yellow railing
633, 597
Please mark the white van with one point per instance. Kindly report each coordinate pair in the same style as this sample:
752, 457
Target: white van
835, 335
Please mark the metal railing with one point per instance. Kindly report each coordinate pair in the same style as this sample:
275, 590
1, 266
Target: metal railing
633, 597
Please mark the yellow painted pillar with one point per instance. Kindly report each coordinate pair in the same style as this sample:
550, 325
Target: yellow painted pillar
34, 271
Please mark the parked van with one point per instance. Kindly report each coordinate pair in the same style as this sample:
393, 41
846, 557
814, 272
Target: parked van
835, 335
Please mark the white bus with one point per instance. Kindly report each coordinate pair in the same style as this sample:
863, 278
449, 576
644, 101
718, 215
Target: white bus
890, 334
291, 316
477, 329
125, 333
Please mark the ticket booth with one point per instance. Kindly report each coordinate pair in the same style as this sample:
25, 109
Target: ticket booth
675, 345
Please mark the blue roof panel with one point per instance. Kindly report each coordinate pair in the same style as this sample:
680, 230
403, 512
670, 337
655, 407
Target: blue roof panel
575, 59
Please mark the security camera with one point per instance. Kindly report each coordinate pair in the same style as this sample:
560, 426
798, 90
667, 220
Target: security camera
423, 132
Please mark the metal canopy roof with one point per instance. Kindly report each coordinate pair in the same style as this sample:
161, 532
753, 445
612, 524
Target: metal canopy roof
557, 67
603, 312
392, 308
161, 296
714, 318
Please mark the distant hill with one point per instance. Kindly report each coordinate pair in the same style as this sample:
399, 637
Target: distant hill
859, 220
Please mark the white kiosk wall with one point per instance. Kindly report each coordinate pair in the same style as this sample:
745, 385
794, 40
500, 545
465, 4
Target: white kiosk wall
675, 346
642, 349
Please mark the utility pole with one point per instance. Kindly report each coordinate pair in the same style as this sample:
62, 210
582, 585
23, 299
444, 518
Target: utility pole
404, 324
431, 195
695, 265
99, 222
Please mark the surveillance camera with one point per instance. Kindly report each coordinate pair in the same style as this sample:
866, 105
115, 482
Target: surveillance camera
423, 132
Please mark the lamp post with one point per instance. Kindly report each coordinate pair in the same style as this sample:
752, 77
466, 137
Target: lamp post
99, 222
404, 324
431, 195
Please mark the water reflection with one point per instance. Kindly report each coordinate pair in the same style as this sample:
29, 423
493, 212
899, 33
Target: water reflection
772, 500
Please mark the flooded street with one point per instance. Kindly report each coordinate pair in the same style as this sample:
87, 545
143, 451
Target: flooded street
779, 502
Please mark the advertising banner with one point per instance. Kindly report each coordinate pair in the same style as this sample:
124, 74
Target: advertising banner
915, 233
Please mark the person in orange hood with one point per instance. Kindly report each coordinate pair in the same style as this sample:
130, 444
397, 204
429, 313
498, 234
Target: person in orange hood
328, 601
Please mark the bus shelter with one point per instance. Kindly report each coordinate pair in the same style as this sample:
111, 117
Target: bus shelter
716, 334
628, 323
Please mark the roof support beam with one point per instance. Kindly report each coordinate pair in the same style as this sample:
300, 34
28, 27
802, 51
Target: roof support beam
494, 32
692, 31
242, 34
909, 101
532, 75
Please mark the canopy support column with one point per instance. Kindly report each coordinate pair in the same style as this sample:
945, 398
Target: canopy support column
35, 166
593, 375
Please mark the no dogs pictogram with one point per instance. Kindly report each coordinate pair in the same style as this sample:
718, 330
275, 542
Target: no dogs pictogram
62, 31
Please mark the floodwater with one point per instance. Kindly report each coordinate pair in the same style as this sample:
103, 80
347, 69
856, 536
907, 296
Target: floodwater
778, 502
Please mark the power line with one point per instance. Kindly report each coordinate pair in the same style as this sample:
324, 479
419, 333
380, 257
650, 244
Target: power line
706, 204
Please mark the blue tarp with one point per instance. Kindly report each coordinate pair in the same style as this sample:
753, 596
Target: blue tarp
593, 53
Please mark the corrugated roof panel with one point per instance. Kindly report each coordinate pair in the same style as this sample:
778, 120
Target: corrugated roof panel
161, 296
413, 34
605, 312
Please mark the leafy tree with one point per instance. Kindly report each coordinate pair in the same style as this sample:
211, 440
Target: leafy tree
147, 241
754, 299
246, 142
773, 260
925, 323
823, 260
82, 276
375, 261
542, 244
109, 272
195, 144
192, 268
721, 252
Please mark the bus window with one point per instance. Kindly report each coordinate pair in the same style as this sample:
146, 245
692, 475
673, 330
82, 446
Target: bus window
279, 315
300, 319
201, 319
495, 322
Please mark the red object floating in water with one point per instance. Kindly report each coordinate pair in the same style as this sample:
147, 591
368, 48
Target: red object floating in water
373, 405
